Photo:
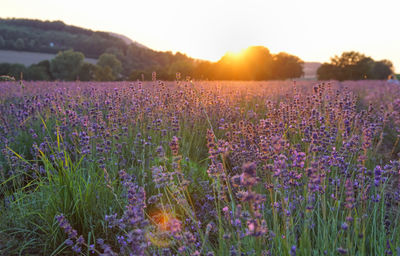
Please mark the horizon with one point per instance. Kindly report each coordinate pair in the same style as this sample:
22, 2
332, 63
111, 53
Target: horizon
301, 28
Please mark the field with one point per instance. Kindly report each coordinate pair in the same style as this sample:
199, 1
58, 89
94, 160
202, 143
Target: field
199, 168
29, 58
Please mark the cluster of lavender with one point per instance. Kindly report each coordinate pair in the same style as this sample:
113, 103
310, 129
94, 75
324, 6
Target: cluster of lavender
130, 229
72, 235
256, 225
277, 161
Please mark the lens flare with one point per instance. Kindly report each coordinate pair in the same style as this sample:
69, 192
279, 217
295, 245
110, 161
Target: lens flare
165, 226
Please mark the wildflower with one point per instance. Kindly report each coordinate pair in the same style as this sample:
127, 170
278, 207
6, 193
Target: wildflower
69, 242
80, 240
378, 174
174, 145
342, 250
249, 175
293, 250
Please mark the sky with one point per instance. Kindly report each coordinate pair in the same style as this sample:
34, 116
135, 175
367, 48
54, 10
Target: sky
313, 30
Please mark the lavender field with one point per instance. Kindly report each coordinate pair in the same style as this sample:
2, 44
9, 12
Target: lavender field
199, 168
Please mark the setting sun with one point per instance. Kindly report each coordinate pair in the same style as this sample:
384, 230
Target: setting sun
236, 55
310, 29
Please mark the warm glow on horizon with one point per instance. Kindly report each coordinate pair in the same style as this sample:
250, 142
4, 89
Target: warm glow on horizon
237, 55
310, 29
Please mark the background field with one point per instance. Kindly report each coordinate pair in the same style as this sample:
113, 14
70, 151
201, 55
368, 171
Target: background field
29, 58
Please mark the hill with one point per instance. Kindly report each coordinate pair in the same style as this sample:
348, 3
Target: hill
54, 36
126, 39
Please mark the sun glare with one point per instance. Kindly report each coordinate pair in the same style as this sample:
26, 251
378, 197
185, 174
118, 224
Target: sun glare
164, 225
162, 220
237, 55
165, 221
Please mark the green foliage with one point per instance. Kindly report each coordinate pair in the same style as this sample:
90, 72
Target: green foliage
287, 66
19, 44
86, 73
34, 72
184, 66
46, 65
103, 74
382, 69
137, 75
2, 42
37, 73
354, 66
83, 192
5, 68
61, 178
13, 70
328, 71
109, 60
66, 65
32, 44
116, 52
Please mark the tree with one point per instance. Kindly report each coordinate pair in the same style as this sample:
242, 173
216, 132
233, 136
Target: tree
103, 74
66, 65
347, 59
354, 66
109, 60
253, 63
19, 44
36, 72
5, 69
32, 44
382, 69
45, 64
87, 71
17, 71
328, 72
362, 69
137, 75
183, 66
2, 42
258, 63
286, 66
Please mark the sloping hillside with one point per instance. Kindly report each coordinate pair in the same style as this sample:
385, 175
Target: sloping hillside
54, 36
127, 40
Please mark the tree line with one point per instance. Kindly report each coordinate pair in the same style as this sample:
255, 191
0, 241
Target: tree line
354, 66
255, 63
67, 66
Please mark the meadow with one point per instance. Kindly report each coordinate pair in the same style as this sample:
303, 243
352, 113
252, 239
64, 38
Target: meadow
29, 58
199, 168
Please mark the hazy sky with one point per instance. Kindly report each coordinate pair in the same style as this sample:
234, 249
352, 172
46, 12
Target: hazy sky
314, 30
